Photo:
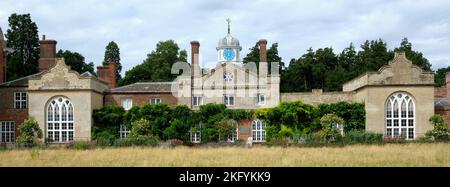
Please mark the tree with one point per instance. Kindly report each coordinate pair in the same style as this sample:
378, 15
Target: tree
29, 132
22, 37
112, 54
157, 66
415, 56
75, 61
439, 76
272, 56
440, 131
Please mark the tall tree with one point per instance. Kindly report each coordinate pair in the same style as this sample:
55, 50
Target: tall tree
272, 56
415, 56
112, 54
373, 56
157, 66
439, 76
76, 61
22, 37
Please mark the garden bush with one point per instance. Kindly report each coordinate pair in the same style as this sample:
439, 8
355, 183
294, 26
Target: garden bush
362, 137
29, 133
329, 133
440, 131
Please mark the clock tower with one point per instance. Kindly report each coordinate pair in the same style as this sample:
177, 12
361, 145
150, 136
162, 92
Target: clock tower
228, 49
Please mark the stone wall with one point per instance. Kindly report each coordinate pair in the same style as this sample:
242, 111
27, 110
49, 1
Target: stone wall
318, 97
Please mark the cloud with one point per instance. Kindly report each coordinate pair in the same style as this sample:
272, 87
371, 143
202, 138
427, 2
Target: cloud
87, 26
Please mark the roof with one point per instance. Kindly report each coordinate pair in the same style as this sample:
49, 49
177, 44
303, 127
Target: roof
148, 87
87, 74
442, 102
23, 81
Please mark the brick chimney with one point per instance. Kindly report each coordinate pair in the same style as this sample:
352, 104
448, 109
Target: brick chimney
195, 68
107, 74
263, 69
48, 53
2, 58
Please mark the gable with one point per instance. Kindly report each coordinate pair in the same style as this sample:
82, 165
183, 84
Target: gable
60, 77
399, 71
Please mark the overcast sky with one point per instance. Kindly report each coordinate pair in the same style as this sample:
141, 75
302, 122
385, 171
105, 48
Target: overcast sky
86, 26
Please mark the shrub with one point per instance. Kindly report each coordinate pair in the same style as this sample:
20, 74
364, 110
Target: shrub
225, 128
105, 138
329, 132
353, 114
141, 132
107, 121
359, 136
440, 131
29, 133
123, 142
80, 145
286, 132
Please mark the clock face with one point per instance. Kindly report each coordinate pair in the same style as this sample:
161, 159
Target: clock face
228, 54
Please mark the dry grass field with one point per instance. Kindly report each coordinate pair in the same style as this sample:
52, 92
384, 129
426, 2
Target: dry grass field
357, 155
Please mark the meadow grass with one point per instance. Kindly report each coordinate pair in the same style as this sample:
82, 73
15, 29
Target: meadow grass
410, 154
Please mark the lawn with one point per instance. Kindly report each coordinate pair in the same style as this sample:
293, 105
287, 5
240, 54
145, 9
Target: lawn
413, 154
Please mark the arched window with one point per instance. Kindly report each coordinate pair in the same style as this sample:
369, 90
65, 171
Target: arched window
60, 124
400, 116
258, 131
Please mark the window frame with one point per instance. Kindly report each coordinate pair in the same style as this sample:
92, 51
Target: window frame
124, 132
155, 100
399, 113
130, 103
195, 137
259, 103
199, 100
22, 101
7, 136
60, 120
258, 131
226, 100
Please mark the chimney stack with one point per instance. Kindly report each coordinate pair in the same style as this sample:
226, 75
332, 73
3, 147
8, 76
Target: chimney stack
107, 74
47, 54
195, 68
263, 69
2, 58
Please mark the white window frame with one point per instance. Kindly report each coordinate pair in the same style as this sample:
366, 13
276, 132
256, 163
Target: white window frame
155, 100
261, 102
60, 123
400, 116
7, 132
124, 132
20, 100
197, 100
196, 136
258, 131
227, 101
234, 136
128, 105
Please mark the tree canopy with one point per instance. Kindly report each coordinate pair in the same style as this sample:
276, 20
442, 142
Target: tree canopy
112, 54
76, 61
157, 66
272, 56
22, 37
324, 69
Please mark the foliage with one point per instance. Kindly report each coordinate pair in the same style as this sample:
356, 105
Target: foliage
157, 66
112, 54
361, 137
329, 133
295, 115
272, 56
324, 69
80, 145
107, 121
76, 61
225, 128
439, 76
23, 39
29, 132
440, 131
123, 142
353, 114
140, 130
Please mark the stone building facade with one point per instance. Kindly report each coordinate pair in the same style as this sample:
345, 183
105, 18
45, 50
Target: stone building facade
399, 98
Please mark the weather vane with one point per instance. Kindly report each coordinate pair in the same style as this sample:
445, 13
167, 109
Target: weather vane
229, 21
